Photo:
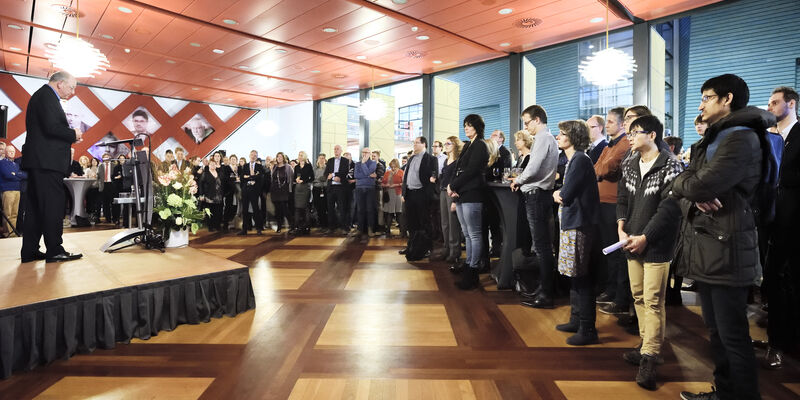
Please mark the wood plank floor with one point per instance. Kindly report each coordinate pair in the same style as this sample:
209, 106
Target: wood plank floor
341, 319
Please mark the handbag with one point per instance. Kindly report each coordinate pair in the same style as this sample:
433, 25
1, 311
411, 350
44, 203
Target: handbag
385, 195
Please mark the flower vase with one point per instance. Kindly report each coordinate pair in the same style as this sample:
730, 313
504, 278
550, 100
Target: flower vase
178, 238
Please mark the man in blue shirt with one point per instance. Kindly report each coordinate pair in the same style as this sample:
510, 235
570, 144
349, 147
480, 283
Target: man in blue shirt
10, 186
365, 193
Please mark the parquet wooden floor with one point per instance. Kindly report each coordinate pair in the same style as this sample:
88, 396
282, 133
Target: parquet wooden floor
341, 319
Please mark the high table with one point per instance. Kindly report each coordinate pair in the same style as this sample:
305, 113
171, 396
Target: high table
77, 188
515, 228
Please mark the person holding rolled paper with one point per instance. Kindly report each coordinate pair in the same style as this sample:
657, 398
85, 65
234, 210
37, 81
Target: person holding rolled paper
648, 220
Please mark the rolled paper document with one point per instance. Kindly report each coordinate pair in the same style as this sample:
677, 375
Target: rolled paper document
614, 247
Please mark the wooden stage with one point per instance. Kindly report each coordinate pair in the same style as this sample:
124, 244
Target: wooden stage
341, 319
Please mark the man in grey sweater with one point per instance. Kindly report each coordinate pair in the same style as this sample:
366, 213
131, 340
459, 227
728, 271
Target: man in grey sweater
537, 181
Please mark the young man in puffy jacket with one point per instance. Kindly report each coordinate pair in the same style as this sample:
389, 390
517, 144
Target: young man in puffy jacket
718, 246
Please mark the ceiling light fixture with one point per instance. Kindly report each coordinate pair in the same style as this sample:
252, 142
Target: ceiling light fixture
170, 61
596, 20
194, 44
77, 56
372, 108
505, 11
399, 2
437, 61
218, 51
216, 79
109, 37
423, 37
12, 48
609, 66
17, 27
243, 67
195, 88
127, 50
314, 71
505, 44
361, 57
267, 127
329, 30
230, 21
414, 28
280, 51
151, 75
16, 64
125, 10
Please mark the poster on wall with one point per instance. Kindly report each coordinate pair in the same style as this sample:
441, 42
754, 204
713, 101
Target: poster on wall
78, 115
141, 122
98, 149
198, 128
170, 144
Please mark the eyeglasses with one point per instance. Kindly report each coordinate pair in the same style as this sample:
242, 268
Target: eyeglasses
635, 133
448, 144
705, 99
526, 123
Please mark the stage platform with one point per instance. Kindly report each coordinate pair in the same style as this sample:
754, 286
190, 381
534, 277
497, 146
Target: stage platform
51, 311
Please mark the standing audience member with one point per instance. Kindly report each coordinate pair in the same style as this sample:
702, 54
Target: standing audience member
579, 200
467, 189
715, 192
10, 186
304, 178
280, 190
364, 173
451, 229
320, 202
336, 170
523, 141
536, 182
250, 176
380, 169
782, 276
213, 192
108, 191
491, 213
648, 219
393, 184
418, 191
230, 184
597, 130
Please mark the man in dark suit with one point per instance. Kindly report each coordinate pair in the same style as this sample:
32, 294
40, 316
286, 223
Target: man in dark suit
597, 134
336, 171
46, 158
781, 276
180, 161
418, 191
251, 180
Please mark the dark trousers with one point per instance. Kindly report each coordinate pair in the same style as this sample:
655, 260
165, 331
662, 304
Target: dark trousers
229, 210
366, 202
108, 195
337, 206
301, 218
618, 284
250, 198
320, 206
725, 315
44, 216
436, 217
216, 216
417, 214
539, 207
491, 225
20, 222
582, 299
281, 212
782, 287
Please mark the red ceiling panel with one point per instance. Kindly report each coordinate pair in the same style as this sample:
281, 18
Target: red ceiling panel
155, 31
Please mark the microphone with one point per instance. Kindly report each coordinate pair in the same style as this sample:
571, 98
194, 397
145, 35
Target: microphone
136, 142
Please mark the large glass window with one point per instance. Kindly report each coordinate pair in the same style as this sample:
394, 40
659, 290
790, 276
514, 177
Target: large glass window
394, 134
481, 89
596, 100
339, 124
666, 30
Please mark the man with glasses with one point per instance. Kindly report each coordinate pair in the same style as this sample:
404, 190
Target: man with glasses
364, 173
417, 193
537, 181
597, 132
718, 246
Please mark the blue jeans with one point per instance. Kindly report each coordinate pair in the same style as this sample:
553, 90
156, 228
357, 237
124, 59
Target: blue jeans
539, 207
365, 207
470, 216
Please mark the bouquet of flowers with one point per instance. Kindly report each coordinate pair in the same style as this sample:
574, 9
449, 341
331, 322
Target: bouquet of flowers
175, 202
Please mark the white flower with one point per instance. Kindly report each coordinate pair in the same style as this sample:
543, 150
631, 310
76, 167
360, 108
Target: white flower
177, 186
178, 221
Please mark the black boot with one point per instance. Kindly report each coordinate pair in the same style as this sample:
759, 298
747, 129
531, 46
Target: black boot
573, 324
646, 377
469, 279
457, 267
587, 334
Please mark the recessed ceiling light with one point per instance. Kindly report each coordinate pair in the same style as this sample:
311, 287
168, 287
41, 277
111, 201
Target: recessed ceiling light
170, 61
251, 91
195, 88
401, 2
414, 28
15, 48
109, 37
384, 75
151, 75
307, 94
229, 99
423, 37
329, 30
126, 10
505, 44
216, 79
596, 20
243, 67
230, 21
17, 27
193, 44
218, 51
361, 57
437, 61
314, 71
505, 11
127, 50
280, 51
135, 85
15, 64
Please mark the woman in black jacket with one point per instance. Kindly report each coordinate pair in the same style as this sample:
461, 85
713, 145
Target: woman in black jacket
304, 178
281, 188
211, 185
579, 202
468, 191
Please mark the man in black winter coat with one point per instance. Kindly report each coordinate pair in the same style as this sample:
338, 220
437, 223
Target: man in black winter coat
718, 246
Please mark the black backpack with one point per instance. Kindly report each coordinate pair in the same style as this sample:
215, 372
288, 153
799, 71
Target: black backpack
418, 245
